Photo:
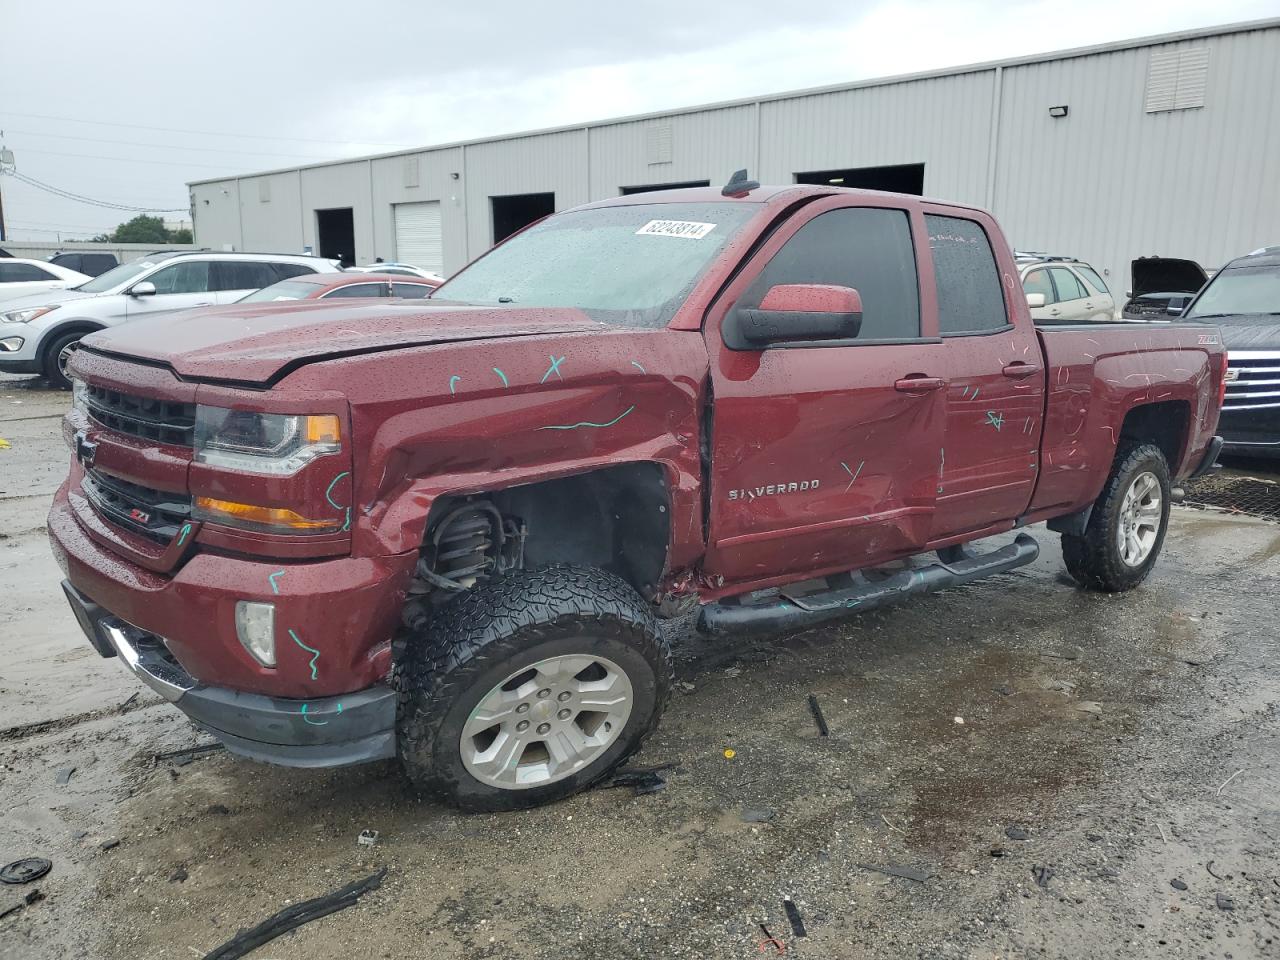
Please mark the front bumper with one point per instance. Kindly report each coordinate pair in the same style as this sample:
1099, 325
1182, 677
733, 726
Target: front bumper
321, 732
1251, 433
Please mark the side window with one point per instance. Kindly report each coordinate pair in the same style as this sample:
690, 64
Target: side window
286, 271
356, 290
411, 291
970, 298
242, 275
1037, 281
1069, 288
95, 264
867, 248
23, 272
1092, 279
190, 276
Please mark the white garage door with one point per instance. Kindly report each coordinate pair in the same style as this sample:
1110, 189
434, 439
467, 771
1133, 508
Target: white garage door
418, 238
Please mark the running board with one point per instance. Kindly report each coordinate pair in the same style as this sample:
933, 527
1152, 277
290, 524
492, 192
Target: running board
790, 609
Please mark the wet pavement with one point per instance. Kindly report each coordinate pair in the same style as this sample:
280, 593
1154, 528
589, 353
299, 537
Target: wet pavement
1034, 765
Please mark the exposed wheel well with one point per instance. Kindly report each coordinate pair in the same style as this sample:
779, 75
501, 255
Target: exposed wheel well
1165, 424
616, 519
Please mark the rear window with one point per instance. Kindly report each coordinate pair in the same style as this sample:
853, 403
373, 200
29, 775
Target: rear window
284, 290
970, 297
23, 272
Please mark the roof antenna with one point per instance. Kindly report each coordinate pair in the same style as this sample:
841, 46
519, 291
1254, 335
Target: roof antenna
739, 185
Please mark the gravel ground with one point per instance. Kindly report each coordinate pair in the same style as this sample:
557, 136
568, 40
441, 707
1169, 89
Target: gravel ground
1064, 774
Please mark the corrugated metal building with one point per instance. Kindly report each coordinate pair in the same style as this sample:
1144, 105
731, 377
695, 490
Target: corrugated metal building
1168, 145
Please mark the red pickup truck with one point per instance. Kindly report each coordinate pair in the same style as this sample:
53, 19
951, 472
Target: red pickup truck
445, 530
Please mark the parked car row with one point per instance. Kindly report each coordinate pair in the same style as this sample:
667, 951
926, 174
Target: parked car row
47, 308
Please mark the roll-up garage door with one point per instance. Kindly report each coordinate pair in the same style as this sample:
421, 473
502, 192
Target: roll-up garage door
418, 238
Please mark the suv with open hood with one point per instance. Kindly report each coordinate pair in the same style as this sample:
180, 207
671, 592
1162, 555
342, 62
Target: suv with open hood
1162, 287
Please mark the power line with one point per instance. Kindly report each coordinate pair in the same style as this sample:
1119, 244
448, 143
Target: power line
156, 163
80, 198
168, 146
207, 133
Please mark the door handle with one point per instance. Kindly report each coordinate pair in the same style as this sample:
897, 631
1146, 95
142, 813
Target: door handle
918, 383
1019, 369
1054, 312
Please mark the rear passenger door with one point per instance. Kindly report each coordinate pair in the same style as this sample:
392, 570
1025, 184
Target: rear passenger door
824, 455
995, 398
1073, 299
234, 279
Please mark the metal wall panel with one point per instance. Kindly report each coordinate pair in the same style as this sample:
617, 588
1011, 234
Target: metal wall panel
273, 226
1110, 182
436, 181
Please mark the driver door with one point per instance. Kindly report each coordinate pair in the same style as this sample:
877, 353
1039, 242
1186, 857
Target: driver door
179, 286
825, 455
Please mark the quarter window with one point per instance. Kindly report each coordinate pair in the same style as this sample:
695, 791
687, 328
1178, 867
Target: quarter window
1069, 288
410, 291
356, 290
970, 298
1091, 277
191, 276
867, 248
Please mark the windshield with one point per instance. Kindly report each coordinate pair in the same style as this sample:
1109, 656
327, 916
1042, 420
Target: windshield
629, 265
284, 290
116, 276
1237, 291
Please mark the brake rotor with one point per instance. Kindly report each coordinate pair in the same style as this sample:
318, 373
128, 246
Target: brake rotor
24, 871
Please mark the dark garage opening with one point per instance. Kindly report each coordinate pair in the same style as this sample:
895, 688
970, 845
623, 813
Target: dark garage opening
519, 210
336, 231
649, 188
903, 178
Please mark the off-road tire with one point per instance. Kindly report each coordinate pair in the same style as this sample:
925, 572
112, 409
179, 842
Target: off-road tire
1094, 559
52, 372
453, 659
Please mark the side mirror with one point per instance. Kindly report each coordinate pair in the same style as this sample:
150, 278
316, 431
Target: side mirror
1035, 300
801, 311
143, 288
1174, 309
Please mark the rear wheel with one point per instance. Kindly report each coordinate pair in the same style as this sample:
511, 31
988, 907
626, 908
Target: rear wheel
530, 687
56, 357
1127, 528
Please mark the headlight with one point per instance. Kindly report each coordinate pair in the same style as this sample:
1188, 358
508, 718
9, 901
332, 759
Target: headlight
79, 396
268, 443
25, 316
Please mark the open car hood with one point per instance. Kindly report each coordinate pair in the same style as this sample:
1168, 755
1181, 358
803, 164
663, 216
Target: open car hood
1165, 275
260, 342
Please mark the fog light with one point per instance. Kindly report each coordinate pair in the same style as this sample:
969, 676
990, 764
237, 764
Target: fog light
11, 344
256, 627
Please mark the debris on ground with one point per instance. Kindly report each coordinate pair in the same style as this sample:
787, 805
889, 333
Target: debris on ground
182, 757
794, 918
32, 896
897, 870
959, 721
762, 815
1110, 873
687, 687
290, 918
179, 876
1209, 867
1224, 902
367, 838
732, 672
1178, 884
1042, 875
109, 844
128, 702
64, 776
816, 709
999, 852
1005, 690
771, 941
641, 780
1016, 833
25, 870
1089, 706
218, 810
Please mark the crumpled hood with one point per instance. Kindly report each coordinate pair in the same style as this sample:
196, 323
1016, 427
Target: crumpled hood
258, 342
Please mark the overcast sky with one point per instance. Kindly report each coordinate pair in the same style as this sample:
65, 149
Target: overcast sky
126, 101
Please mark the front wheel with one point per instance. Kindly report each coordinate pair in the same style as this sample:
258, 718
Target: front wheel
530, 687
1127, 527
56, 357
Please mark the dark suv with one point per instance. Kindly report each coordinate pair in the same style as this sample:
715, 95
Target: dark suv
1243, 301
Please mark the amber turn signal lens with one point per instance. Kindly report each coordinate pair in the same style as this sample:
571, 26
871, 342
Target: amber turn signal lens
207, 508
322, 429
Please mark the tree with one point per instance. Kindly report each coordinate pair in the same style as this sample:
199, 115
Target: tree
144, 229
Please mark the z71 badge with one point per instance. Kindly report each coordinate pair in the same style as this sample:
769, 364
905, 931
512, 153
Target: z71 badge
1208, 339
773, 490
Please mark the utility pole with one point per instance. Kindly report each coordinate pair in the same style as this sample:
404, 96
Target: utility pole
6, 166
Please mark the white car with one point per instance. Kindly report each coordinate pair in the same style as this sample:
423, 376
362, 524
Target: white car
19, 277
1064, 289
38, 332
404, 269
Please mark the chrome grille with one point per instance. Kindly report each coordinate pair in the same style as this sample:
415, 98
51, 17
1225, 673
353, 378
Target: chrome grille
1257, 380
155, 514
164, 421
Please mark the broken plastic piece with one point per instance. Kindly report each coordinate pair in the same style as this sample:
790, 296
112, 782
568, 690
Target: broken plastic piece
794, 918
818, 718
25, 870
367, 838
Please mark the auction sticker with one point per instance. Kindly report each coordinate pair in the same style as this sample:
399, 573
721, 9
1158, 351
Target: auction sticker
686, 229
